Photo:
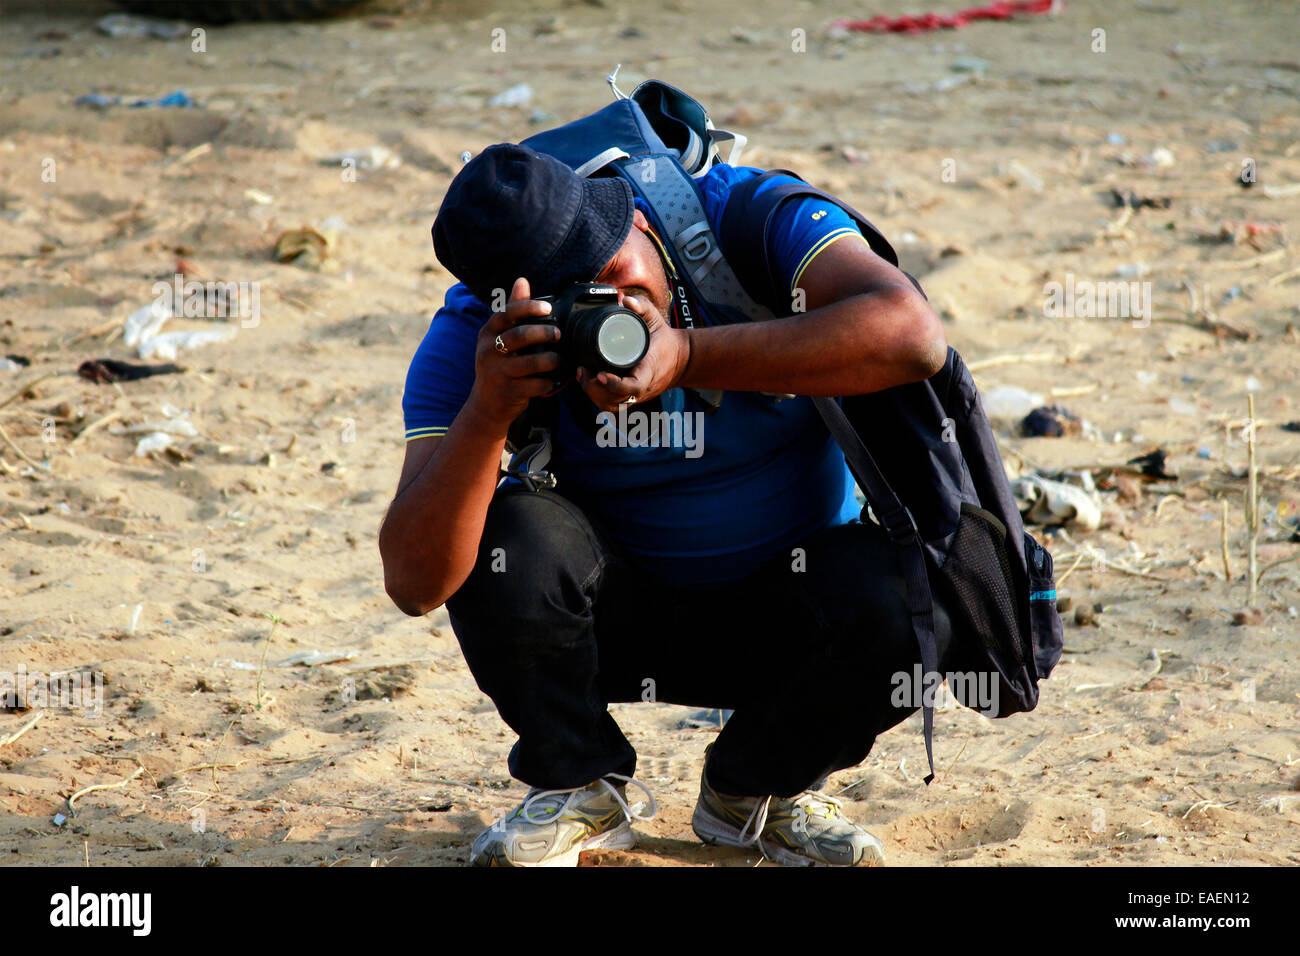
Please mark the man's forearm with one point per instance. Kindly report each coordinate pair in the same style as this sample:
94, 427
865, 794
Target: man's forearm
429, 540
857, 345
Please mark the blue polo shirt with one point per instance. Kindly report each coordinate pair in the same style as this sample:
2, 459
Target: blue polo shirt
699, 499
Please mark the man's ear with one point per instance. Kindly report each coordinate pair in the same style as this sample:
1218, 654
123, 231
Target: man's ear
639, 220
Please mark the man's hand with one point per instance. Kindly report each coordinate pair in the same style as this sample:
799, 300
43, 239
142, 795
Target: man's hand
504, 381
664, 363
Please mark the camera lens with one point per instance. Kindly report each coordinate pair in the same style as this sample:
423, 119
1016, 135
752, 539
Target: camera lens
622, 339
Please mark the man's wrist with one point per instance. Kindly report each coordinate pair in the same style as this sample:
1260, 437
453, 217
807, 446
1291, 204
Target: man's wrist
482, 419
686, 354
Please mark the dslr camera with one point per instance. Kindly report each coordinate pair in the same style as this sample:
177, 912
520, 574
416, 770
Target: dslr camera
595, 331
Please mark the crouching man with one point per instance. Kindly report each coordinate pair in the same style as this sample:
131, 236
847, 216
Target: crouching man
725, 568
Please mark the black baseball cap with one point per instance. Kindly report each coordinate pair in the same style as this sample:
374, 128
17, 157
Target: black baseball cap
512, 211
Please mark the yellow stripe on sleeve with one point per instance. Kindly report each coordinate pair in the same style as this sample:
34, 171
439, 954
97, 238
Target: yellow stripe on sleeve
433, 432
822, 243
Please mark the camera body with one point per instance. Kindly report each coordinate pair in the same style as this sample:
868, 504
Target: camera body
595, 331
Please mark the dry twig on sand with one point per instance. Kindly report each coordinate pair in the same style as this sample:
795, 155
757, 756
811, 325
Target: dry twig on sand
5, 741
1252, 503
72, 810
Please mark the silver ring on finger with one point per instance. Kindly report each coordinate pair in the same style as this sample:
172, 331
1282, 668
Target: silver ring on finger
501, 346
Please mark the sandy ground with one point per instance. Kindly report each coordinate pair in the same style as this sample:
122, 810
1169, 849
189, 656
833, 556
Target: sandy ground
271, 512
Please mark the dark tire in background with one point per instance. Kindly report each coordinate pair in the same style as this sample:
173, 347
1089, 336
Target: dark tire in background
229, 11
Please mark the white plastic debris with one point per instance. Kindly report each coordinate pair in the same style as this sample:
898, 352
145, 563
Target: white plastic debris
316, 658
1133, 270
369, 158
235, 665
154, 441
1010, 403
168, 345
120, 25
1046, 502
9, 365
181, 427
1159, 158
518, 95
144, 323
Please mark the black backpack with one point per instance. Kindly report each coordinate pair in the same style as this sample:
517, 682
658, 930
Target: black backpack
925, 457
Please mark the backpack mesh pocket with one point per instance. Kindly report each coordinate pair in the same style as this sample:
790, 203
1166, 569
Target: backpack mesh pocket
977, 579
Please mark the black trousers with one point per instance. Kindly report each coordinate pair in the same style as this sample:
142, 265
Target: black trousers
555, 624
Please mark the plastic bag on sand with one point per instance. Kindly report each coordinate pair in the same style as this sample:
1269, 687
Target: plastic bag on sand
169, 344
144, 323
154, 441
1009, 403
1046, 502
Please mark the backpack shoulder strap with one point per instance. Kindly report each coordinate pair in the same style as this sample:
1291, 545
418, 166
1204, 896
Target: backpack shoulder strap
899, 524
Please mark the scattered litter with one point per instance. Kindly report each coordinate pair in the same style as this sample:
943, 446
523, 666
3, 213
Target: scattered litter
1204, 452
1291, 426
1133, 201
9, 365
59, 819
998, 10
1050, 421
110, 370
368, 159
1246, 231
1147, 378
182, 427
145, 323
120, 25
706, 720
1009, 403
1152, 465
316, 658
303, 247
1230, 295
1116, 139
1047, 502
1253, 384
135, 618
154, 441
1181, 406
235, 665
521, 94
1159, 158
259, 197
970, 64
176, 98
169, 344
1133, 270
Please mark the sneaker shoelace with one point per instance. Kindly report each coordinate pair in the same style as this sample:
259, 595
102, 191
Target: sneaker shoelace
810, 802
629, 812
